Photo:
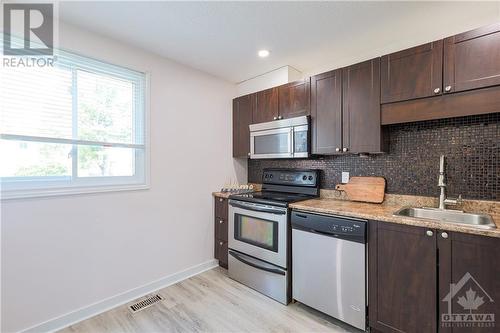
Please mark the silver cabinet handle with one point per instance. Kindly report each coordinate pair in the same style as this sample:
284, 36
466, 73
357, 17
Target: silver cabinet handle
337, 149
221, 221
220, 199
429, 233
221, 243
437, 90
345, 149
280, 117
444, 235
447, 88
275, 118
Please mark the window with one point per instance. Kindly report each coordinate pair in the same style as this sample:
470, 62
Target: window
78, 126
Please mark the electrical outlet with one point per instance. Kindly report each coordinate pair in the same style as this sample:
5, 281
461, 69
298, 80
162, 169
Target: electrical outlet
345, 177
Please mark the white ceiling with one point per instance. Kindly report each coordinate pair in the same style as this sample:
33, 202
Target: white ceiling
222, 38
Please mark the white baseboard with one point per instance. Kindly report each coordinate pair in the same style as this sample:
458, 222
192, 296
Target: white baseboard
120, 299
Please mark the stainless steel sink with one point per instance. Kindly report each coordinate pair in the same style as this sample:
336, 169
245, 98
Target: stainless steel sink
482, 221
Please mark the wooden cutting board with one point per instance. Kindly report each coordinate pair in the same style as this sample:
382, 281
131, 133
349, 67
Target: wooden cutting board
366, 189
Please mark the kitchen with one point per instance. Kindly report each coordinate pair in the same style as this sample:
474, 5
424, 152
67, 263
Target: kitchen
420, 119
206, 166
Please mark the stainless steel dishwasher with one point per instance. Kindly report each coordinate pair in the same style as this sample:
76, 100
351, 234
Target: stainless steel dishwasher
329, 265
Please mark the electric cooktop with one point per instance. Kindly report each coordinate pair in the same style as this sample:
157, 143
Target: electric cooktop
281, 187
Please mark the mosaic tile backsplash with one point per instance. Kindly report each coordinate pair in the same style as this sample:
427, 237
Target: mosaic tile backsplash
471, 145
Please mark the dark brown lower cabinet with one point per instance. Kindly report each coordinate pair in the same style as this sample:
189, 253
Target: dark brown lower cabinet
402, 278
220, 231
411, 272
471, 263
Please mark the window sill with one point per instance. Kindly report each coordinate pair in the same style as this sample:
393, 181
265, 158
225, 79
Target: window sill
41, 193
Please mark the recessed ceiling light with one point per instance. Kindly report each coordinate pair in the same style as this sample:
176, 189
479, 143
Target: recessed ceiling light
263, 53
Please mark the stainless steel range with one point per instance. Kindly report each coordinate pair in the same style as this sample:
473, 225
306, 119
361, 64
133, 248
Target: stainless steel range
260, 232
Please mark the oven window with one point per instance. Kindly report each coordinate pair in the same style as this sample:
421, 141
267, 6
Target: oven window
271, 144
255, 231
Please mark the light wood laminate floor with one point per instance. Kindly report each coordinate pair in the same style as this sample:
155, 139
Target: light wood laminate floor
212, 302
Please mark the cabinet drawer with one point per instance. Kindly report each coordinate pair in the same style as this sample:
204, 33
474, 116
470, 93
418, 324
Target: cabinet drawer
221, 249
221, 208
221, 228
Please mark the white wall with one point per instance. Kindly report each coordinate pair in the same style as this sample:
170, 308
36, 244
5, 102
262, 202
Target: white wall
63, 253
407, 31
267, 80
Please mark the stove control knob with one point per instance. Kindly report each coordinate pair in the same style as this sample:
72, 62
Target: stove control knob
310, 177
304, 177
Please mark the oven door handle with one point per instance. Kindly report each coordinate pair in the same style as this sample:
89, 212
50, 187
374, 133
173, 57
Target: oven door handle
258, 209
253, 264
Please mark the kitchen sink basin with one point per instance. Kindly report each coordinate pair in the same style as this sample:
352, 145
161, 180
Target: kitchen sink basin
482, 221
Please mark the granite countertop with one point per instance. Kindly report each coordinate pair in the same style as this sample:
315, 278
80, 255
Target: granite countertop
334, 202
224, 195
384, 212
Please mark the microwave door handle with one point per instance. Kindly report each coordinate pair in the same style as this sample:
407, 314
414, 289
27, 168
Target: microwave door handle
255, 265
291, 144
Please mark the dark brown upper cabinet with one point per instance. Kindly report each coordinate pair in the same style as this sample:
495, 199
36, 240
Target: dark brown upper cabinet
412, 73
326, 112
266, 106
242, 118
402, 278
294, 99
345, 110
361, 128
472, 59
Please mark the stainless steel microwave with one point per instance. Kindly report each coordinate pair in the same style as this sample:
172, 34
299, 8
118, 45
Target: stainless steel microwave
286, 138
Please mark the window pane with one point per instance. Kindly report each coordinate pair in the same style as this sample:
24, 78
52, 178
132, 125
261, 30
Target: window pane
105, 108
97, 161
35, 101
34, 159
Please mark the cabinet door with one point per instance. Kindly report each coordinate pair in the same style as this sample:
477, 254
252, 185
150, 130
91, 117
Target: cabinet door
221, 208
412, 73
472, 59
326, 112
294, 99
242, 118
221, 229
266, 106
402, 278
470, 263
362, 131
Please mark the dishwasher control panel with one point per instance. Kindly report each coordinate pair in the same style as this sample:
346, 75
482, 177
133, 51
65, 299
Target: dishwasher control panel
331, 225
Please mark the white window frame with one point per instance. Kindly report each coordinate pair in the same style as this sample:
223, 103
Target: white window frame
44, 186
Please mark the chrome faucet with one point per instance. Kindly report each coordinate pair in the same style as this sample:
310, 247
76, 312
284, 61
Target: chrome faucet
443, 201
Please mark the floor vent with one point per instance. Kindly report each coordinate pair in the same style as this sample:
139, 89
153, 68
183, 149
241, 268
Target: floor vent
145, 303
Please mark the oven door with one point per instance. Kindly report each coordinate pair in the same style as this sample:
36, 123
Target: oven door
273, 143
259, 231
